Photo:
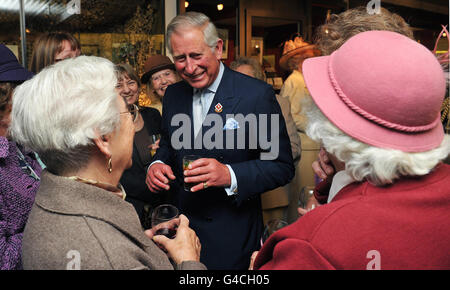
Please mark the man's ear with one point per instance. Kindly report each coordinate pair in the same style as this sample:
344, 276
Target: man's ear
219, 48
103, 144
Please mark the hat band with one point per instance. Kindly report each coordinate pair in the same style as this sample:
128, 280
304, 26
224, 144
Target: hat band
348, 102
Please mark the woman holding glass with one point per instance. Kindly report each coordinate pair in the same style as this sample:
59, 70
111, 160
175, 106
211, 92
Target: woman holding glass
79, 219
147, 128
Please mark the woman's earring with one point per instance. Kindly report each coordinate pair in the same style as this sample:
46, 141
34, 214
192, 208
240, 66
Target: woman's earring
110, 165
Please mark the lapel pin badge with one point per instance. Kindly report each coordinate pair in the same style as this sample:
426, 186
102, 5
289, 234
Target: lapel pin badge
218, 108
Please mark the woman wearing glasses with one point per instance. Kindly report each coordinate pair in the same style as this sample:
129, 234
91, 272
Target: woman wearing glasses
79, 219
19, 169
147, 124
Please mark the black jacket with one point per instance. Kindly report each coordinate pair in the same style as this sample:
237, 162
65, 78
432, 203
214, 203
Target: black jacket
133, 179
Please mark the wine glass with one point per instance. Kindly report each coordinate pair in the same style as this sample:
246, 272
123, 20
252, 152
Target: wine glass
271, 227
153, 139
163, 220
305, 194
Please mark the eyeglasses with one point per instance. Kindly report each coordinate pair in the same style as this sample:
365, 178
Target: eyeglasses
133, 110
130, 83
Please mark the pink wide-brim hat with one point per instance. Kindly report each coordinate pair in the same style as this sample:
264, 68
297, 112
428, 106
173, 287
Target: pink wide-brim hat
381, 88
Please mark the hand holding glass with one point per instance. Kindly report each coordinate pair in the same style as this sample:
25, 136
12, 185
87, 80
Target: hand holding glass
155, 143
188, 159
165, 220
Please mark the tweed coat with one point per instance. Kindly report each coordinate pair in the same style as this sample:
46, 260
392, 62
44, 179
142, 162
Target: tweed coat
73, 225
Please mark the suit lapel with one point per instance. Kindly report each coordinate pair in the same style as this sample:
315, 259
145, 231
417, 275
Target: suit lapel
225, 95
184, 103
226, 98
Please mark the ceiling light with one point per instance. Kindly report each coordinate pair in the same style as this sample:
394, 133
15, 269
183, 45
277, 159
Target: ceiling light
220, 7
36, 7
32, 7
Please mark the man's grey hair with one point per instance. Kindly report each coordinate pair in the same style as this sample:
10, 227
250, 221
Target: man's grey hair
196, 20
61, 110
380, 166
253, 63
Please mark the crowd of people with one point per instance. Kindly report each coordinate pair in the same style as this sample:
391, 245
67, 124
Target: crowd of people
83, 166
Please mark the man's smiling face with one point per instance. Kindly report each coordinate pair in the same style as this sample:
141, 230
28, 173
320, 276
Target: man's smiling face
195, 61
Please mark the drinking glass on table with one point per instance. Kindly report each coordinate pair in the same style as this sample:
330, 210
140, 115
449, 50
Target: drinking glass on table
154, 145
271, 227
164, 220
188, 159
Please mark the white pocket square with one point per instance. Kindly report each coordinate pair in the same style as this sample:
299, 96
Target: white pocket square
231, 124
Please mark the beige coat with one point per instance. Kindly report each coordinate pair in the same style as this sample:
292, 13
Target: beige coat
294, 89
296, 145
79, 226
278, 198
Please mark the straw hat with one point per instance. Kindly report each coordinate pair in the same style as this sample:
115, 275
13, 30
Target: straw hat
298, 48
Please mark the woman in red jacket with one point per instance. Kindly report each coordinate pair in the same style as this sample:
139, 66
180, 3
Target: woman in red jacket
375, 110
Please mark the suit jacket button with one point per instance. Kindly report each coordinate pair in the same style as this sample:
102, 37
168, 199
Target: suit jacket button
208, 219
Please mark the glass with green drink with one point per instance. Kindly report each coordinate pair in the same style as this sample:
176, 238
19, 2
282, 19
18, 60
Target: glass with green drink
188, 159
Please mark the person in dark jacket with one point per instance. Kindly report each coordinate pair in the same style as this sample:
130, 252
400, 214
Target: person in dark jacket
148, 128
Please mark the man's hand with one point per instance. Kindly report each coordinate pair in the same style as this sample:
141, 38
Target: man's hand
158, 177
207, 172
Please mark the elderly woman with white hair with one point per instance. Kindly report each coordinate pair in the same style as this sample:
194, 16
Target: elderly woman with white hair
72, 116
376, 112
